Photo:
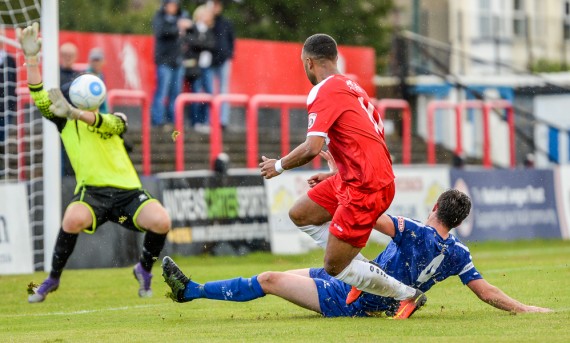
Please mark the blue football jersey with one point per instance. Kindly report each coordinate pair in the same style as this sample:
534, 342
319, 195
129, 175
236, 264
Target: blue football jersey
419, 257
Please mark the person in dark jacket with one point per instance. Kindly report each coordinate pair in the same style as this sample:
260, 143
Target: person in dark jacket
169, 24
222, 55
200, 42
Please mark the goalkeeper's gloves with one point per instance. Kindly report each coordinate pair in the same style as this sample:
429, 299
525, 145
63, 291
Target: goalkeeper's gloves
30, 42
60, 107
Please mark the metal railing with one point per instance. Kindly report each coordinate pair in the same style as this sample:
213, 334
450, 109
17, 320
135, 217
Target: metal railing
216, 141
182, 100
485, 108
431, 108
284, 102
382, 106
114, 98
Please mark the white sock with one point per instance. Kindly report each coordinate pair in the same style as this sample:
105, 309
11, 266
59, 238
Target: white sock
320, 234
371, 279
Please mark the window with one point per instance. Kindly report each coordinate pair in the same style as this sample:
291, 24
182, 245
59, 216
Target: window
539, 19
485, 22
519, 19
566, 20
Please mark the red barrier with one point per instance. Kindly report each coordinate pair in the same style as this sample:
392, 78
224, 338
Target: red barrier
398, 104
480, 105
216, 129
24, 98
251, 123
139, 96
432, 107
181, 101
508, 106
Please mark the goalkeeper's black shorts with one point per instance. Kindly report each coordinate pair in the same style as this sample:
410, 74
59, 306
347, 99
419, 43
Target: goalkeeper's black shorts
121, 206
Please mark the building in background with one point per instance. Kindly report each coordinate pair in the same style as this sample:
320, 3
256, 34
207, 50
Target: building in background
517, 50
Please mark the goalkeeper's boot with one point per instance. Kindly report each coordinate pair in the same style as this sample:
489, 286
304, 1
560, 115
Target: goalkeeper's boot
39, 294
144, 278
175, 279
411, 305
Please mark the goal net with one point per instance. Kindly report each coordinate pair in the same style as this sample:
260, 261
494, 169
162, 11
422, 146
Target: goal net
21, 125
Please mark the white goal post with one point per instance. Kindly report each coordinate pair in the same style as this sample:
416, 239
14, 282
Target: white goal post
52, 147
30, 146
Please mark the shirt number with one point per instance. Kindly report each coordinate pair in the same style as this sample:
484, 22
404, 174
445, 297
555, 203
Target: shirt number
430, 270
372, 115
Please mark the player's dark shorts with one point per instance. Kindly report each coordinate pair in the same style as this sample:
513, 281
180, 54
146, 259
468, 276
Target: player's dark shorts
121, 206
332, 298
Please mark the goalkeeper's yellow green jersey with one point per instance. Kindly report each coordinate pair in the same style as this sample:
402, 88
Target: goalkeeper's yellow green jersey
96, 152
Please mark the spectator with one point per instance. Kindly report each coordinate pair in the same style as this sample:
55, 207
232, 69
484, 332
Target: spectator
169, 24
67, 58
201, 42
7, 91
96, 62
222, 56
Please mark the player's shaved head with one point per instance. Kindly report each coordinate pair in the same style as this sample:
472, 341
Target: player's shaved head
320, 46
453, 207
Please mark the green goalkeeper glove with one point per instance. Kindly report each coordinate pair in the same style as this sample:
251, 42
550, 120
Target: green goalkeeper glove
60, 107
29, 41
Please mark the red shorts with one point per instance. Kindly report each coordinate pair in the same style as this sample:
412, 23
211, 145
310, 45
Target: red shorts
354, 213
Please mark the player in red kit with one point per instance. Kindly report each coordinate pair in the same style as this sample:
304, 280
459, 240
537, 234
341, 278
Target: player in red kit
346, 203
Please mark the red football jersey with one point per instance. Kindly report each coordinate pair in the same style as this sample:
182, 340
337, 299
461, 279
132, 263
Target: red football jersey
341, 111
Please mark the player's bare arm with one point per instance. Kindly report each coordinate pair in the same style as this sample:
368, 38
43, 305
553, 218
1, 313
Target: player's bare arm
385, 225
301, 155
497, 298
317, 178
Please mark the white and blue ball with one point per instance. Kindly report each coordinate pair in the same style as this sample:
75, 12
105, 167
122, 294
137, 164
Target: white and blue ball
87, 92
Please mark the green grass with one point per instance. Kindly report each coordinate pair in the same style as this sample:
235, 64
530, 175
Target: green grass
102, 306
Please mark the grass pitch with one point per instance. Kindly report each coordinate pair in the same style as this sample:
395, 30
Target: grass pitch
102, 305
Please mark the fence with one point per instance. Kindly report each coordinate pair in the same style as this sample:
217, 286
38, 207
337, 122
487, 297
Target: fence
458, 108
114, 97
382, 106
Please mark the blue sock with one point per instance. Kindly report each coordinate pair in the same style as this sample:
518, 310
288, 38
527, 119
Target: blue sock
238, 289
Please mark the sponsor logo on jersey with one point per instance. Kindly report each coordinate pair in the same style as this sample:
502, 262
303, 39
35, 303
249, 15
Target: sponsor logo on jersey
401, 224
312, 119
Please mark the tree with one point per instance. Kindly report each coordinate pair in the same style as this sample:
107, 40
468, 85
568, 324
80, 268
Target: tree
350, 22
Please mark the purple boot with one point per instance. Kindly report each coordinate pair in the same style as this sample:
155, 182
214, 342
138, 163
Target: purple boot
144, 278
49, 285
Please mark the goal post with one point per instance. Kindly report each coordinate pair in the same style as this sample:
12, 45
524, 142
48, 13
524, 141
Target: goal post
51, 142
30, 146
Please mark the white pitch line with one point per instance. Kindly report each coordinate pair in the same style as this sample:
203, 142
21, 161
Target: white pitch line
110, 309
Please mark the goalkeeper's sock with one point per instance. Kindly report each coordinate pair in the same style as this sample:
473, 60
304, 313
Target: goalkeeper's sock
320, 234
372, 279
238, 289
152, 246
64, 245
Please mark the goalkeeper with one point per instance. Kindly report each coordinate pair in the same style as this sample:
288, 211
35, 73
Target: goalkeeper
108, 187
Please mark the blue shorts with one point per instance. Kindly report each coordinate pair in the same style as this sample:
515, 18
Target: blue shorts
332, 298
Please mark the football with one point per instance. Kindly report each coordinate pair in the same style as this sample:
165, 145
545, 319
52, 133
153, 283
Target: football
87, 92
